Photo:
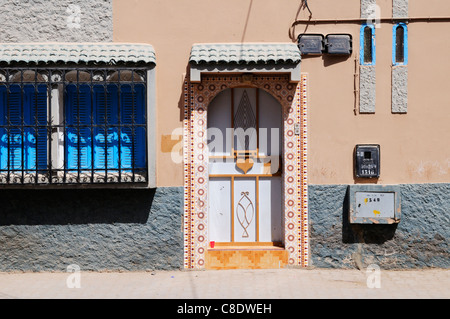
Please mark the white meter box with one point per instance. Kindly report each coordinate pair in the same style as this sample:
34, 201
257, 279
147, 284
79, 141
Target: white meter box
374, 204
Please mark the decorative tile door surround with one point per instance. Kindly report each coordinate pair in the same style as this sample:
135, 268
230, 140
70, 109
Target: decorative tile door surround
293, 99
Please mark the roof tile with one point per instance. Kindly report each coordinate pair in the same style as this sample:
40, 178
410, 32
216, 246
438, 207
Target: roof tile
245, 53
77, 52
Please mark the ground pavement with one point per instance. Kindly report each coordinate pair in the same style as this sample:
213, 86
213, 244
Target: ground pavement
229, 284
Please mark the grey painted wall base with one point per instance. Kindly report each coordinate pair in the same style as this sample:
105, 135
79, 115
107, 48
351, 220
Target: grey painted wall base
47, 230
420, 240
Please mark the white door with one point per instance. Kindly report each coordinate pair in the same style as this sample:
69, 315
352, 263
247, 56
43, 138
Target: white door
244, 142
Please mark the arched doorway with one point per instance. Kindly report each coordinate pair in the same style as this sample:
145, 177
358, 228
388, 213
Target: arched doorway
245, 175
207, 218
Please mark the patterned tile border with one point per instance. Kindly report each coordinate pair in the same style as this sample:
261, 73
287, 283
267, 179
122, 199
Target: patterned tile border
304, 234
292, 98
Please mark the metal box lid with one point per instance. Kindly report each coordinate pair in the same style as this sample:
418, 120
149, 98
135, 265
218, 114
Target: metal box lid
311, 43
374, 204
338, 44
367, 161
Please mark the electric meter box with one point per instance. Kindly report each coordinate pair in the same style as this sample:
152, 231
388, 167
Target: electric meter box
311, 43
374, 204
367, 161
340, 44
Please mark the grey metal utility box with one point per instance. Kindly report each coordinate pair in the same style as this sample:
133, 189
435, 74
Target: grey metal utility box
340, 44
367, 161
311, 43
374, 204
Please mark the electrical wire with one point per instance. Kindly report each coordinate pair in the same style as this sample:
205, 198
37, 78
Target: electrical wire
307, 7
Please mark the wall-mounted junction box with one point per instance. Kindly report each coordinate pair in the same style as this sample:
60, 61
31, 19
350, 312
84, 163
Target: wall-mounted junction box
367, 161
374, 204
340, 44
311, 43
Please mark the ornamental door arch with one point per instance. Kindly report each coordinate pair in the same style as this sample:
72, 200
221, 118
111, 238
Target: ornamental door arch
204, 175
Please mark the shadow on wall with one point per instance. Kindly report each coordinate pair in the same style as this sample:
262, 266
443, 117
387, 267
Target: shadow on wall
75, 206
328, 59
364, 233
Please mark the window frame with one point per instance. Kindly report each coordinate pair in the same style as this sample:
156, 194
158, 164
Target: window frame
22, 109
362, 45
405, 43
56, 83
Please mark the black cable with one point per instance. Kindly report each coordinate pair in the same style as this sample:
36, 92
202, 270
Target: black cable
307, 7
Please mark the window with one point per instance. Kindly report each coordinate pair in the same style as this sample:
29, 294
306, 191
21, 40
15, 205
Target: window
23, 119
367, 44
400, 44
73, 126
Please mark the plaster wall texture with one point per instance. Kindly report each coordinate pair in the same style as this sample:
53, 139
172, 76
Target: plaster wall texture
48, 230
415, 155
332, 102
420, 240
367, 93
368, 8
399, 89
400, 8
142, 229
204, 21
56, 21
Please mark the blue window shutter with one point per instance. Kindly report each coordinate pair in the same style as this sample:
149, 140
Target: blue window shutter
78, 138
106, 139
3, 134
36, 137
22, 111
16, 137
132, 139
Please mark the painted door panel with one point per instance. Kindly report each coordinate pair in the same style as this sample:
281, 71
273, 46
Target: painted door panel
244, 200
245, 210
220, 209
270, 228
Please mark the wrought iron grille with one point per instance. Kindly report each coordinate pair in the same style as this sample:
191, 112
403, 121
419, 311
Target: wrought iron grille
79, 125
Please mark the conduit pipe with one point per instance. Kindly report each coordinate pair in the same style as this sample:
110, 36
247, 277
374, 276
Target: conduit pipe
364, 20
381, 20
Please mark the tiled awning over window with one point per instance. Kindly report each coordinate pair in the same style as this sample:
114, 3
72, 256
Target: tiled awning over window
110, 53
245, 57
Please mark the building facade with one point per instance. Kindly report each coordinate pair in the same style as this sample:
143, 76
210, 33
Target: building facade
224, 134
